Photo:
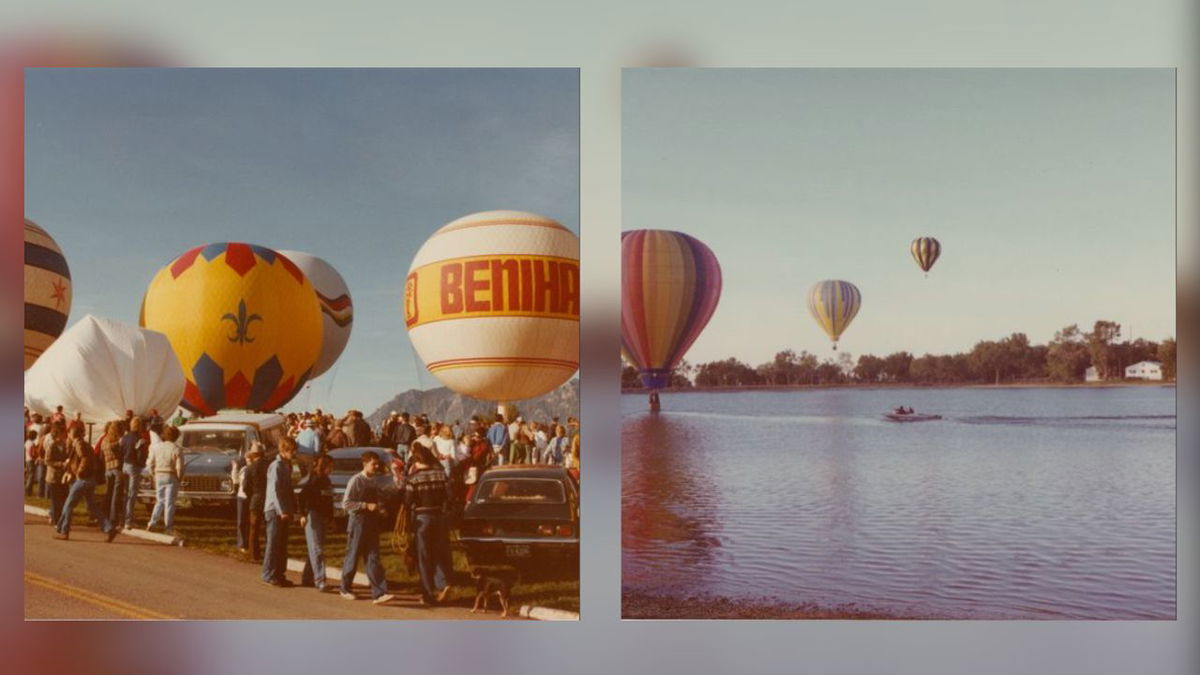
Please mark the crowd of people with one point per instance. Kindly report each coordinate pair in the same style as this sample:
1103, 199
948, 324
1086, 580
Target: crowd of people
513, 441
433, 466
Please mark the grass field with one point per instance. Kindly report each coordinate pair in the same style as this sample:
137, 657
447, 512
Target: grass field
212, 529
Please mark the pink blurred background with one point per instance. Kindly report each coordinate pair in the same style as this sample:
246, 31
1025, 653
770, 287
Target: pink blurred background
601, 39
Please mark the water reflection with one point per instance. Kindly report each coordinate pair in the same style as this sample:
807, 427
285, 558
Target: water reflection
1064, 509
676, 516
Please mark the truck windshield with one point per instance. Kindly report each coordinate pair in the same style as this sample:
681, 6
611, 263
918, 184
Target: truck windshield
226, 441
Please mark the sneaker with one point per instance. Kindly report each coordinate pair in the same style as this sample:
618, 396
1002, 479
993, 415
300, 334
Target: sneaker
60, 535
279, 583
112, 534
347, 595
441, 596
386, 597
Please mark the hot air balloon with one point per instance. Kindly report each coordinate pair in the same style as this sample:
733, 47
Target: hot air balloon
925, 250
336, 306
47, 291
244, 322
491, 304
100, 368
670, 285
833, 304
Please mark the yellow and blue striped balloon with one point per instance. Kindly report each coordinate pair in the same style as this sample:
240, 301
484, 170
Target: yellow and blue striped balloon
833, 304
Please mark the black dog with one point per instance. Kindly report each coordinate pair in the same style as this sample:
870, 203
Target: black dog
498, 582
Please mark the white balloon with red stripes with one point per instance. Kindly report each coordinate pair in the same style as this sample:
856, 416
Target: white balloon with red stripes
491, 304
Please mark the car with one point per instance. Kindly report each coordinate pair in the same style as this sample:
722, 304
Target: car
210, 447
346, 463
522, 515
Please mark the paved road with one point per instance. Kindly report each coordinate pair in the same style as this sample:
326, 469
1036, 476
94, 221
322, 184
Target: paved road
86, 578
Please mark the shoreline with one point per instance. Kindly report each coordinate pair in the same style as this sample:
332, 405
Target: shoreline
905, 385
636, 605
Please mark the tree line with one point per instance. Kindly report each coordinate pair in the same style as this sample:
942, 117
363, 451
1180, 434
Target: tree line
1065, 359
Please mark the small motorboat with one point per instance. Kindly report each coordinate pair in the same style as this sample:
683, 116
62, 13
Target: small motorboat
911, 417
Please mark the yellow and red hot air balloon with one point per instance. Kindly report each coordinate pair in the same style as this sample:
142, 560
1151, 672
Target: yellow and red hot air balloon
337, 307
670, 286
244, 322
925, 250
834, 304
47, 291
491, 304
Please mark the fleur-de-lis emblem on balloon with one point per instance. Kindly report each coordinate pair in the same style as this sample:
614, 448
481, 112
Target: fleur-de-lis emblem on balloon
241, 324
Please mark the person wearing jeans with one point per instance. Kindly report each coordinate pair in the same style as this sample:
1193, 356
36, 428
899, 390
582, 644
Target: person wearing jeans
242, 504
135, 445
32, 460
87, 467
362, 502
166, 465
114, 479
278, 509
426, 495
56, 458
497, 435
316, 506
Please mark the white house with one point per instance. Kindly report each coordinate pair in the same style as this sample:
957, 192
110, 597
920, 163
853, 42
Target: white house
1145, 370
1091, 374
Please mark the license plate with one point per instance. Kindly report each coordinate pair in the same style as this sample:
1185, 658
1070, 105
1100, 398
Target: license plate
516, 550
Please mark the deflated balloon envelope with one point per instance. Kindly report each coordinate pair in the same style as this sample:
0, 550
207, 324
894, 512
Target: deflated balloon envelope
101, 368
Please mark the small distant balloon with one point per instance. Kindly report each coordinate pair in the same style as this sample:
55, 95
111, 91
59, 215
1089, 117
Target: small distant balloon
834, 304
925, 250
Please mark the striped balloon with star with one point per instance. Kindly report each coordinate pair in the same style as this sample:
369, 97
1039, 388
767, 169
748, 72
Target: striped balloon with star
47, 291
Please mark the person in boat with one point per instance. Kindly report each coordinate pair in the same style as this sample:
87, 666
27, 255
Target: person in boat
900, 410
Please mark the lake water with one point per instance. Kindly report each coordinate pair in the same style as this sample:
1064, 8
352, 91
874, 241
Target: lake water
1036, 503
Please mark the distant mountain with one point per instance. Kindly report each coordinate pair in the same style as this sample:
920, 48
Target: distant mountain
445, 405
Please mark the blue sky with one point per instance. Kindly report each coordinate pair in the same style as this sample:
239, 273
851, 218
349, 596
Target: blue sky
1051, 191
129, 168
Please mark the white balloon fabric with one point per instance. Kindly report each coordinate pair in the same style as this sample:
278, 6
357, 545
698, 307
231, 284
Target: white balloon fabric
491, 304
101, 368
337, 309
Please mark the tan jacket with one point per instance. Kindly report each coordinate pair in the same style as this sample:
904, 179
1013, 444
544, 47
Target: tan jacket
56, 460
166, 458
